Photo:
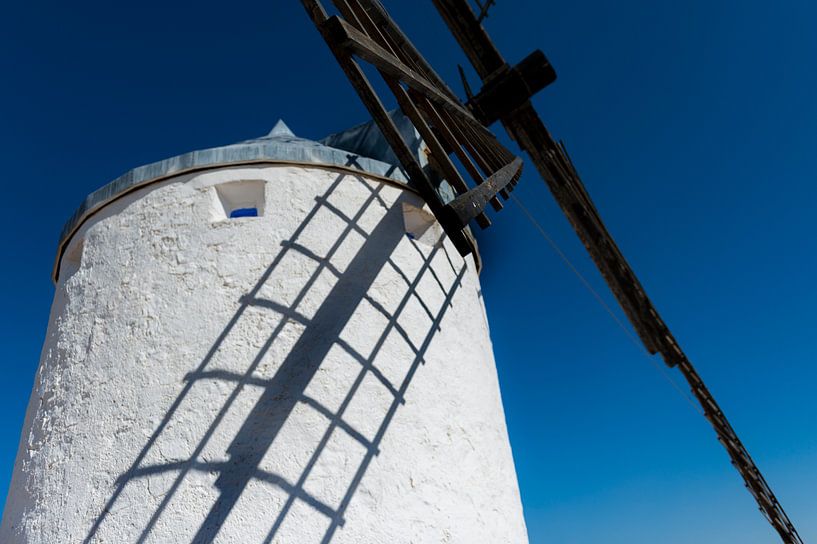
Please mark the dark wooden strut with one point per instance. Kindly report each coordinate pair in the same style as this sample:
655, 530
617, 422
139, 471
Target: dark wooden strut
445, 124
553, 163
467, 206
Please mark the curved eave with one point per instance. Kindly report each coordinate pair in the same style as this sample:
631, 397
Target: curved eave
277, 150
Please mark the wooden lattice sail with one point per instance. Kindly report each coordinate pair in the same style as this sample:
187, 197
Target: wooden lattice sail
364, 30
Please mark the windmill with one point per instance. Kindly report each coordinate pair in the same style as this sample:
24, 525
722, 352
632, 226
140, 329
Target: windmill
364, 30
285, 340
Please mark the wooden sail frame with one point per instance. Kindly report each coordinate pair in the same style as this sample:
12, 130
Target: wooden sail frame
449, 127
365, 31
551, 160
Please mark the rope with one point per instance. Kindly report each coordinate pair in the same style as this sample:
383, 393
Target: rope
603, 304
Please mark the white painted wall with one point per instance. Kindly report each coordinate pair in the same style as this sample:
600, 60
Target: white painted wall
290, 378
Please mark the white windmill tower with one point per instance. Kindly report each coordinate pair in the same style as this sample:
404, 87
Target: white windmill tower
270, 341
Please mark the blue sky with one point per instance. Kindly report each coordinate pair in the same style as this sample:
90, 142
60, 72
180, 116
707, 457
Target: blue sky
694, 125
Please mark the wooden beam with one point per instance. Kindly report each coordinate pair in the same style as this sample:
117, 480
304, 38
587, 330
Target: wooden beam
367, 95
511, 87
345, 35
438, 158
451, 140
409, 100
376, 12
467, 30
467, 206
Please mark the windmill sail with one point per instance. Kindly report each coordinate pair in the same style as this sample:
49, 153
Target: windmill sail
366, 32
552, 162
448, 127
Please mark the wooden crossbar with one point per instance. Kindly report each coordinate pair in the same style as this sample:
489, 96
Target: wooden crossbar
363, 30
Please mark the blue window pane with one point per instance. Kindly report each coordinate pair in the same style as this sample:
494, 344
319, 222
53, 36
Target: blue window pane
244, 212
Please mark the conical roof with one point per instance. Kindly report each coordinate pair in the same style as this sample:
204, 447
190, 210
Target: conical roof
280, 129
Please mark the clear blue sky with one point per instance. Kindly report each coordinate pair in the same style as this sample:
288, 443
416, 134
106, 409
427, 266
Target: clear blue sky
694, 125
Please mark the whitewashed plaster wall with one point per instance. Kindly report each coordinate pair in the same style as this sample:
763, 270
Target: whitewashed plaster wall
310, 375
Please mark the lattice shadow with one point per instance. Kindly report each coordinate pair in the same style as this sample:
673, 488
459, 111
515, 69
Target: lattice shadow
286, 389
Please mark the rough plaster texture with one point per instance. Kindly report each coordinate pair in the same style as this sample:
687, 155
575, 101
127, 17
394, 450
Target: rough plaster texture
320, 373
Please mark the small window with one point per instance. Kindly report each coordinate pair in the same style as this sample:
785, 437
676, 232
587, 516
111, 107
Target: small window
244, 212
421, 225
238, 199
71, 259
